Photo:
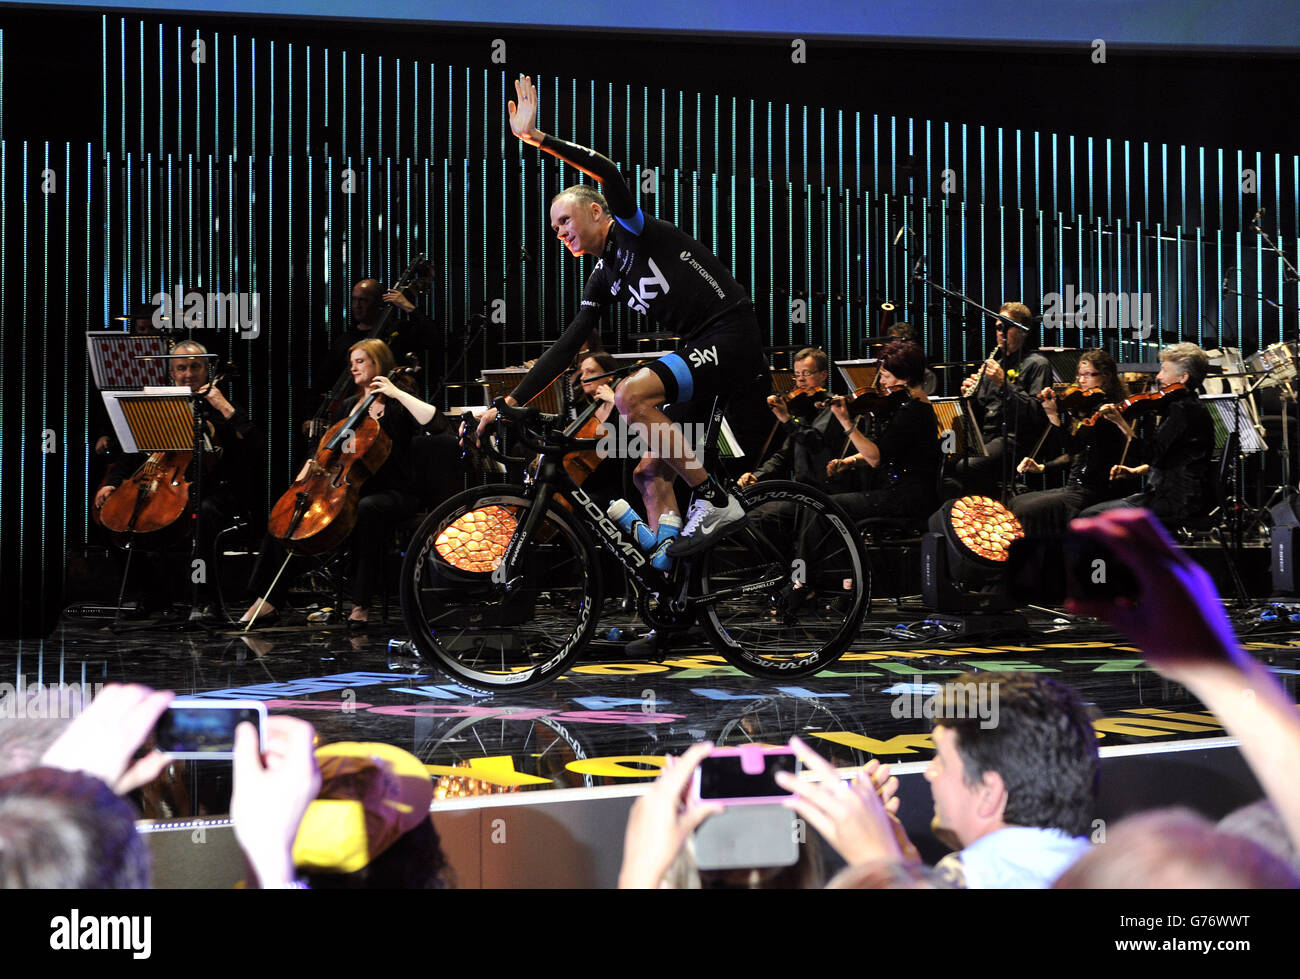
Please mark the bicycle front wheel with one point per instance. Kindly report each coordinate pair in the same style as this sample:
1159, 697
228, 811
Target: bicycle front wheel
795, 580
483, 632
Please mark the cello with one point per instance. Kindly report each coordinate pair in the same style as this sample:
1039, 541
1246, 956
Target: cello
157, 494
319, 510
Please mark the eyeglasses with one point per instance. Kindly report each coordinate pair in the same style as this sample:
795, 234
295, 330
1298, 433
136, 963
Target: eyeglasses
1087, 374
808, 373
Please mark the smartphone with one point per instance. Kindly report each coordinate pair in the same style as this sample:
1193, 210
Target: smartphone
205, 729
743, 776
1047, 570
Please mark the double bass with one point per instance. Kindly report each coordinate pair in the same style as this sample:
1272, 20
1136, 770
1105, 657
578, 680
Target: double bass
319, 510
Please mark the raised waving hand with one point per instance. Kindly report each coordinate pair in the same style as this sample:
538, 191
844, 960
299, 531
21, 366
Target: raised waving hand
523, 113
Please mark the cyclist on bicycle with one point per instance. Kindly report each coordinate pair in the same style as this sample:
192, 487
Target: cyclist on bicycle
663, 273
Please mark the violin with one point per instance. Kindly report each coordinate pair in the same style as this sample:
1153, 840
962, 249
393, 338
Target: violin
800, 402
872, 400
158, 493
318, 511
1139, 404
1076, 400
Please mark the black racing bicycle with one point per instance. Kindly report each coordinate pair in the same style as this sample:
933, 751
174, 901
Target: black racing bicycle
502, 585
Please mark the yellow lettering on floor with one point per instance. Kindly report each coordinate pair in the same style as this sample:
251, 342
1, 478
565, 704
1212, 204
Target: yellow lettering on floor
901, 744
497, 770
1144, 727
1078, 645
619, 669
618, 766
1205, 718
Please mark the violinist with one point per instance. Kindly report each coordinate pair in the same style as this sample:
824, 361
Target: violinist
1023, 373
1177, 465
903, 330
229, 473
1093, 448
811, 439
907, 455
387, 497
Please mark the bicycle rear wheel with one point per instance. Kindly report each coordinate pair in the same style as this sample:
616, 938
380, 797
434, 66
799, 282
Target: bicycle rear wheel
461, 616
805, 580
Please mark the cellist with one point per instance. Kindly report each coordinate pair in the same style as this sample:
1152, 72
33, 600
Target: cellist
229, 472
387, 498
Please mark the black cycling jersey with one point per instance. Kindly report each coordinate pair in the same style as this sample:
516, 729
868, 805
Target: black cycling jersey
650, 265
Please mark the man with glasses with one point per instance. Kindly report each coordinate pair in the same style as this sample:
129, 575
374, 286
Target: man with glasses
1013, 375
809, 443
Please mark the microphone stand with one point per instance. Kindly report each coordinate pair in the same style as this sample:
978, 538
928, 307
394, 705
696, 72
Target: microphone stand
478, 322
919, 276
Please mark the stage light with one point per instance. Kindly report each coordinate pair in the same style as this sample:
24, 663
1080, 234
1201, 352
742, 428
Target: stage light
964, 557
476, 542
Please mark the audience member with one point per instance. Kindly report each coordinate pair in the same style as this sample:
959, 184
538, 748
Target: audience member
369, 826
61, 829
1014, 791
1175, 848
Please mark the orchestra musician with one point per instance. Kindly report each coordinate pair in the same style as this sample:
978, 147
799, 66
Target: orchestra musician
606, 482
1093, 449
811, 441
387, 497
1014, 373
907, 457
1177, 466
411, 332
903, 330
230, 469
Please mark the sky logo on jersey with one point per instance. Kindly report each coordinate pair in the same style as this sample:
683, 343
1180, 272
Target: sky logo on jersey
640, 298
701, 357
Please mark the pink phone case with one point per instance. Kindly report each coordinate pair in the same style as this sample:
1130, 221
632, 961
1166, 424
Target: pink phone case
752, 762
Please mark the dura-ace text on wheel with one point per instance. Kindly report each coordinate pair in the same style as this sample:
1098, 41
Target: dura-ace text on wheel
804, 584
487, 632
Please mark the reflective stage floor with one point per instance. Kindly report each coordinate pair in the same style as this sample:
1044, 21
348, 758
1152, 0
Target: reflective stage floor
610, 720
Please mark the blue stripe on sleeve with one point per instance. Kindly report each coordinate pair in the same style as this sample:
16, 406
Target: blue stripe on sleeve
634, 224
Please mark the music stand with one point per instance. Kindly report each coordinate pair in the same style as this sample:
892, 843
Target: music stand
157, 420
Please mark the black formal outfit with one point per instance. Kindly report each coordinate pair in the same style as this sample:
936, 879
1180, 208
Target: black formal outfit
1179, 483
805, 451
1093, 451
908, 471
1027, 373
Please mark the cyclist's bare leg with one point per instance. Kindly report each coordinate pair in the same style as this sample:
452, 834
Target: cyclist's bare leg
654, 478
638, 399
